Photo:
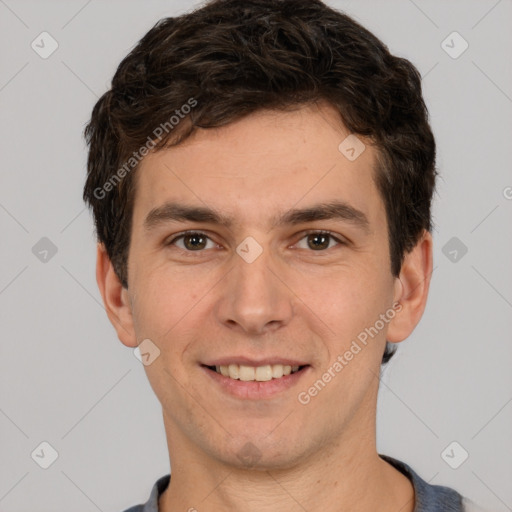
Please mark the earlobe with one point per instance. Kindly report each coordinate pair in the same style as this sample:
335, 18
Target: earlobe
115, 298
411, 289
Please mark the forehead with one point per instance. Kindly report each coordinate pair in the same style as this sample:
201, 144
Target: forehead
256, 168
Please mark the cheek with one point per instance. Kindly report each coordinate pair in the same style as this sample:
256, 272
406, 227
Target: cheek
347, 301
165, 302
174, 310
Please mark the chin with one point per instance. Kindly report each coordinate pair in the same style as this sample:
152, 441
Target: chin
261, 454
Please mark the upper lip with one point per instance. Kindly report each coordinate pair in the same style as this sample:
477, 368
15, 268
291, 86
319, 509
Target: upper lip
245, 361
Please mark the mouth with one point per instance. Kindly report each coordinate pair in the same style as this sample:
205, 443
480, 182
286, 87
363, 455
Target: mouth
262, 382
255, 379
262, 373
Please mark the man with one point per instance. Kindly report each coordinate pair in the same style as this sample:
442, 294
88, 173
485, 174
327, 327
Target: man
261, 175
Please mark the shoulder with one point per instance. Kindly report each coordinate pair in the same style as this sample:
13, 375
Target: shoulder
428, 497
151, 504
434, 497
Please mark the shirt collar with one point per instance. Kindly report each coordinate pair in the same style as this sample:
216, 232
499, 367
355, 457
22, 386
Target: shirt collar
428, 498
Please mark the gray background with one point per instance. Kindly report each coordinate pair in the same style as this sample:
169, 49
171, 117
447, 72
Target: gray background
67, 380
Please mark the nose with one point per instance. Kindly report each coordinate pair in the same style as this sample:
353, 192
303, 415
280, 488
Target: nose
254, 298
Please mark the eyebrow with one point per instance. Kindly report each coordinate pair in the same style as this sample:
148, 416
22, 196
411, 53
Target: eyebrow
333, 210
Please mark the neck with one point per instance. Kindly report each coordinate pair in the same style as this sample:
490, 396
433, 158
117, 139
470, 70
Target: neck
332, 479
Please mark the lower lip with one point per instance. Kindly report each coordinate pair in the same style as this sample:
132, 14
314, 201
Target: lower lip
254, 390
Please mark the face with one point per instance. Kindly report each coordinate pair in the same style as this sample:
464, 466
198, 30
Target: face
264, 276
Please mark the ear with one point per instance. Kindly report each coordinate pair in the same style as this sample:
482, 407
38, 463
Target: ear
411, 289
115, 298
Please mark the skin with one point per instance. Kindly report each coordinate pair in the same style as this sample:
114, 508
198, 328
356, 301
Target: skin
294, 301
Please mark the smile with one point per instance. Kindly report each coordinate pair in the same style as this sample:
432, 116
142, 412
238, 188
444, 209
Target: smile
255, 379
255, 373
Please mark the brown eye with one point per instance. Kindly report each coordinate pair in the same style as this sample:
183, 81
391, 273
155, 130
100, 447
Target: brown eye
320, 241
192, 241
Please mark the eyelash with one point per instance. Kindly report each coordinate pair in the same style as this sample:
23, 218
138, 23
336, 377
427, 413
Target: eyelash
307, 233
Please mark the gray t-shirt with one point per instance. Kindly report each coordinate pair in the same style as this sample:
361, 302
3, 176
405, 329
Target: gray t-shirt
429, 498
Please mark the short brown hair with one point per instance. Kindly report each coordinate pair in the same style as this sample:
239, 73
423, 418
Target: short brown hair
234, 58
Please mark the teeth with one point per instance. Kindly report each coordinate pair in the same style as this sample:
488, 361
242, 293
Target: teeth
233, 370
263, 373
259, 373
246, 373
277, 371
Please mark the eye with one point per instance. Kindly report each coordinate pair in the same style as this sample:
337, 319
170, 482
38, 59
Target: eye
320, 240
192, 241
196, 241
